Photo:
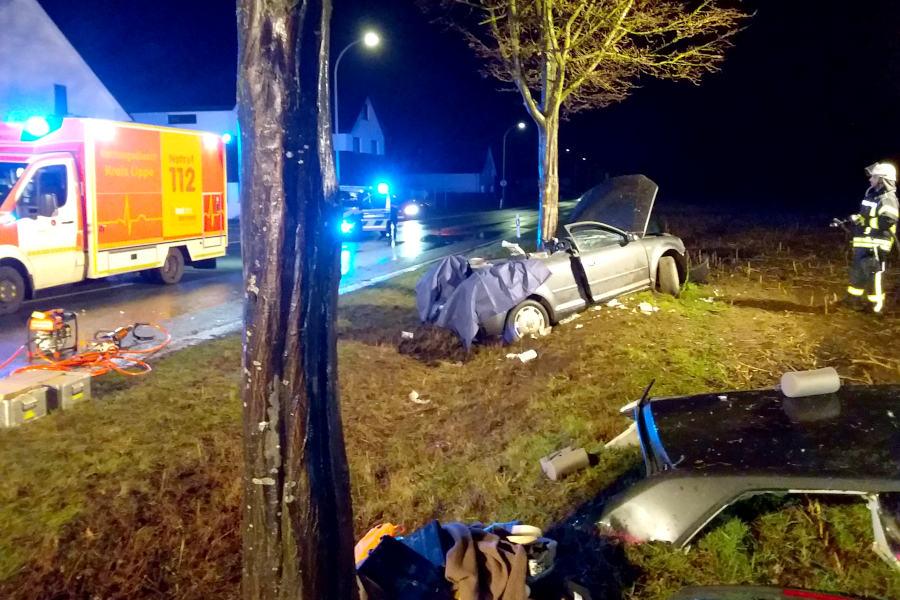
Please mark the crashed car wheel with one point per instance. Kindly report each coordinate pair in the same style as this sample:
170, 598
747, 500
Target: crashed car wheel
528, 318
667, 276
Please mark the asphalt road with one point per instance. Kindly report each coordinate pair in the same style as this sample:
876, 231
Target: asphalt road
208, 303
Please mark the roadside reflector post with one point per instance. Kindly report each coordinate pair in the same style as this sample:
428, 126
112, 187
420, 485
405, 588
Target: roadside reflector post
518, 226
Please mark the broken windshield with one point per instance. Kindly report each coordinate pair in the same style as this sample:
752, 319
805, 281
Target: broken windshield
9, 175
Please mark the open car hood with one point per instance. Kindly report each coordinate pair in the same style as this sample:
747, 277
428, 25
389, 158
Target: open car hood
624, 202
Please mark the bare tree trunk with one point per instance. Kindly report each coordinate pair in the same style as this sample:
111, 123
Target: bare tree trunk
297, 520
548, 177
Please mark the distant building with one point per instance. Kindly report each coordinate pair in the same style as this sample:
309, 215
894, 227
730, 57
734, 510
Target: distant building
366, 135
220, 120
42, 74
467, 180
361, 151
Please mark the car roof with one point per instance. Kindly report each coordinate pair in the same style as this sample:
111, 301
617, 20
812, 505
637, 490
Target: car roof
852, 433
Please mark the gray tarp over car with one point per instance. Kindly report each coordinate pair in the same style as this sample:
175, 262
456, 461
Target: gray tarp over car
448, 298
625, 202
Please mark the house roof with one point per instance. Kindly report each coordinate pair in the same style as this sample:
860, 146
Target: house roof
25, 24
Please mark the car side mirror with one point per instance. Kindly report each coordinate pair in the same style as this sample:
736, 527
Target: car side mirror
47, 205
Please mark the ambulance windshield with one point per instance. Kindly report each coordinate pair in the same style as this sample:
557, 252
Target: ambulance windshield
9, 175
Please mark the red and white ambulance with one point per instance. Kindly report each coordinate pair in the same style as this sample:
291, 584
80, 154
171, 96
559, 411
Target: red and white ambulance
89, 198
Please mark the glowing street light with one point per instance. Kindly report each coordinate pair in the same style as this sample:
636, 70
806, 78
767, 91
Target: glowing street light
370, 39
503, 183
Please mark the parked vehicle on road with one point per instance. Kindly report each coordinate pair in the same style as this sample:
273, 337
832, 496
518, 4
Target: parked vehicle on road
88, 198
413, 210
607, 249
368, 209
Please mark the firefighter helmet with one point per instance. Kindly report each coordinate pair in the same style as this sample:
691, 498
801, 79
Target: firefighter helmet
882, 169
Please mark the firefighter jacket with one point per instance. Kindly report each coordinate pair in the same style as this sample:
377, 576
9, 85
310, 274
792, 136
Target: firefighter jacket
876, 223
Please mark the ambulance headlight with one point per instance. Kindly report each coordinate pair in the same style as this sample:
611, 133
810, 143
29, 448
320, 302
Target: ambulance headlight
411, 210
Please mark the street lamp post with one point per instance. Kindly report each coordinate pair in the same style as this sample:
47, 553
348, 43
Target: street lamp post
370, 40
503, 183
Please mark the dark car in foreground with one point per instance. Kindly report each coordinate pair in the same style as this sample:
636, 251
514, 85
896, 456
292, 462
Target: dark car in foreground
704, 453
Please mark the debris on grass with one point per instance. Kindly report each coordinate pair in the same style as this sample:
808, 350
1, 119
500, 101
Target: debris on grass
407, 335
707, 300
568, 320
647, 308
514, 249
415, 398
564, 462
527, 356
579, 326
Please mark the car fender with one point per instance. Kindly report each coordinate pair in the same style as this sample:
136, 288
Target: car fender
660, 246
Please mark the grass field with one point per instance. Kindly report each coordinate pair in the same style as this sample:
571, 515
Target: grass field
137, 495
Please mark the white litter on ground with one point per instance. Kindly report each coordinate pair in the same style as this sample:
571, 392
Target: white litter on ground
569, 319
514, 249
647, 308
614, 303
414, 397
407, 335
527, 356
596, 308
707, 300
579, 326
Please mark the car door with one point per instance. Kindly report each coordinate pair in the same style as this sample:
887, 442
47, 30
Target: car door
47, 218
613, 261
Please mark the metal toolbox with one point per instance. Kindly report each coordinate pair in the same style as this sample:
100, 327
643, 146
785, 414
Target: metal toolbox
21, 402
67, 388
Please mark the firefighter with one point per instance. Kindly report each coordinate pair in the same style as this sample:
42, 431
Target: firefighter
873, 236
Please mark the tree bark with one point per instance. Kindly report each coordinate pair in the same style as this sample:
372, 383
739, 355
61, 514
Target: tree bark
548, 145
548, 177
297, 519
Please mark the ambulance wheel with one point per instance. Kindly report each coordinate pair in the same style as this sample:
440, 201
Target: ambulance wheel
667, 276
172, 269
12, 290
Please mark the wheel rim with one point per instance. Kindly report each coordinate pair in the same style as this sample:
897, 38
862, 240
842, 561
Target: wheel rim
7, 291
528, 320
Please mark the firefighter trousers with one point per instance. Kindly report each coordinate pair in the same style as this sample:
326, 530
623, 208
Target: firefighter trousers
866, 277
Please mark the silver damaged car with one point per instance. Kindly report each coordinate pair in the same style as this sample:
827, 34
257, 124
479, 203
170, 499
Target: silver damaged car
609, 247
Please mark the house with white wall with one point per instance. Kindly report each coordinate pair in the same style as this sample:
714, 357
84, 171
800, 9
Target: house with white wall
366, 135
467, 181
42, 74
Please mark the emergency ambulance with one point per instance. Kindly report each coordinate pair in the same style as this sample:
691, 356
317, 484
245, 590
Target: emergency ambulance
87, 198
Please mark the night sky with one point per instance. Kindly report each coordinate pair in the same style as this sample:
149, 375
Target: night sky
808, 97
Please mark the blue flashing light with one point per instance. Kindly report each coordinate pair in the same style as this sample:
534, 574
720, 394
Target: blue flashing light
383, 188
346, 227
226, 137
37, 126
